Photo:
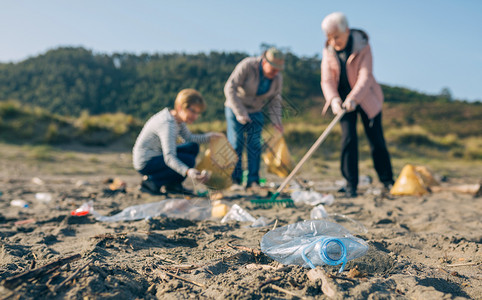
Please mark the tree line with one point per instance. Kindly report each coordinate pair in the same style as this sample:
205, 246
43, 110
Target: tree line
73, 80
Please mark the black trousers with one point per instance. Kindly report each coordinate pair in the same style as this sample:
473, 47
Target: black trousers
378, 148
162, 174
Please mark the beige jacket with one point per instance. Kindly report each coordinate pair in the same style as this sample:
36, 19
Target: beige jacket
241, 87
365, 91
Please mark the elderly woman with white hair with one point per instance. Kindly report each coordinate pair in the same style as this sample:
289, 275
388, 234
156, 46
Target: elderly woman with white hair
348, 83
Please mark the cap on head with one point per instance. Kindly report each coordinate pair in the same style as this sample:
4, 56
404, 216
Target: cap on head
334, 22
275, 58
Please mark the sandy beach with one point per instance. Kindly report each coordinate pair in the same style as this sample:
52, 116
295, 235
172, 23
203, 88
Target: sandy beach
420, 247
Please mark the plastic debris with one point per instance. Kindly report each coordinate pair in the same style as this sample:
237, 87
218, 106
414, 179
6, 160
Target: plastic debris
277, 157
174, 208
43, 197
84, 209
313, 243
37, 181
269, 202
80, 183
236, 213
220, 160
426, 175
19, 203
364, 180
319, 213
312, 198
409, 182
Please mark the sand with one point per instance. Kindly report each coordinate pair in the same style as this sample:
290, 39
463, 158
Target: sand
420, 247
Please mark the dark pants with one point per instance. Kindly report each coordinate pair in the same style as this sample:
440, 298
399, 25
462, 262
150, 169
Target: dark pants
378, 148
157, 170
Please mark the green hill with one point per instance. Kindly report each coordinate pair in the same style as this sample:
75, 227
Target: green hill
68, 81
72, 95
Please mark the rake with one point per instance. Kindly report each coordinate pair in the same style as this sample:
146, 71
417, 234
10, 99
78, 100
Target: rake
287, 201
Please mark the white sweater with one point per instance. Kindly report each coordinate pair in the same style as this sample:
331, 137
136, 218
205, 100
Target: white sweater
159, 137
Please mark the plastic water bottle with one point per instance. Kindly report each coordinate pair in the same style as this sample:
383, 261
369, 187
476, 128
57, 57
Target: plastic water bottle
313, 243
19, 203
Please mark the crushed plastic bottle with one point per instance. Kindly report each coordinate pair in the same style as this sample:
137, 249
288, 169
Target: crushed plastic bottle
19, 203
318, 212
313, 243
312, 198
236, 213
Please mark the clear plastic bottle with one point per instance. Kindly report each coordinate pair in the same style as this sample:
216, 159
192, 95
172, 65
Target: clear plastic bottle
19, 203
313, 243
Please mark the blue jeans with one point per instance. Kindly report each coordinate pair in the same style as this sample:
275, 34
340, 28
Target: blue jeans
248, 135
157, 170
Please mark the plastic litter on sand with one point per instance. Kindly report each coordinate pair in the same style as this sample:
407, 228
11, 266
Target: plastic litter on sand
313, 243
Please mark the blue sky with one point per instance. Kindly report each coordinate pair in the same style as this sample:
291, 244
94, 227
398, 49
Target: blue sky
425, 45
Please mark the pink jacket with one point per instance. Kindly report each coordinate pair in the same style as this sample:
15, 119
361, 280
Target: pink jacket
365, 91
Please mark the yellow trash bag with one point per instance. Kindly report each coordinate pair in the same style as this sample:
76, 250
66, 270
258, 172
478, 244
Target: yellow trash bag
409, 182
220, 160
426, 175
277, 156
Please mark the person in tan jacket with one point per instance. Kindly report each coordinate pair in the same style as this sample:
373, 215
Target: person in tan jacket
348, 83
255, 84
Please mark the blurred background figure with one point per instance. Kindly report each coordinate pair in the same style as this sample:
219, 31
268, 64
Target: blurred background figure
348, 83
156, 154
256, 82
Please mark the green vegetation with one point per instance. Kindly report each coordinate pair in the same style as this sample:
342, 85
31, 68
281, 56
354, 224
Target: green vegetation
69, 81
72, 95
26, 125
431, 137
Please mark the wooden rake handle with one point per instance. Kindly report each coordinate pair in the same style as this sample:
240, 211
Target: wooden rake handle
313, 148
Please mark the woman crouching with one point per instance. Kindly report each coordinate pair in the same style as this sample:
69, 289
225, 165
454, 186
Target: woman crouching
156, 154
